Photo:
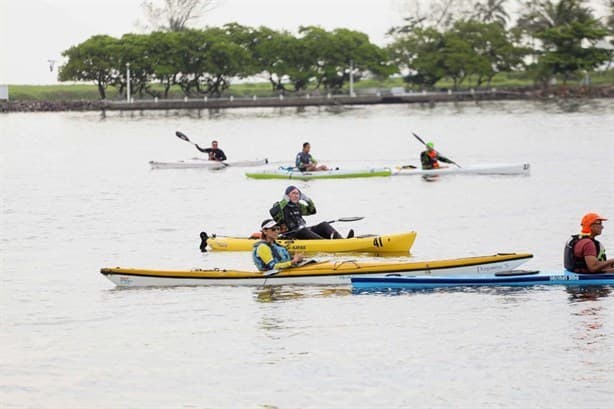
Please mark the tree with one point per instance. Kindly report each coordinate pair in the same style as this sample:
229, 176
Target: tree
568, 33
93, 60
174, 15
333, 54
493, 48
492, 11
418, 54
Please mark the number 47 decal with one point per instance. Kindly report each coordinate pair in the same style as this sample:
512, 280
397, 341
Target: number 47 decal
377, 242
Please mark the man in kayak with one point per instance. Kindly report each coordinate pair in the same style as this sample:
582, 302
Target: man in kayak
430, 157
305, 162
583, 253
268, 254
289, 212
214, 152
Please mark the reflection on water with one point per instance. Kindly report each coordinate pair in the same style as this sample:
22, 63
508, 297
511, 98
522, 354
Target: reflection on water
590, 333
583, 294
270, 294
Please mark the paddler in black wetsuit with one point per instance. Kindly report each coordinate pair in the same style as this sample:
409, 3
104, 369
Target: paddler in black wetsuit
289, 213
214, 152
430, 157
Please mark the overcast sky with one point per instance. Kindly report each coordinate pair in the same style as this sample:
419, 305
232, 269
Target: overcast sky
35, 31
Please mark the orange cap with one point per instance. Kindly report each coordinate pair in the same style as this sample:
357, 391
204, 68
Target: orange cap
588, 219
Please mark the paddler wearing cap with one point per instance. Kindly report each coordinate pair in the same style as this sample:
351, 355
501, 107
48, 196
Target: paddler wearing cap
583, 253
430, 157
270, 255
289, 212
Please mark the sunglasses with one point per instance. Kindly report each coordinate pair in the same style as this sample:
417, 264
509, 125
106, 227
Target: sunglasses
274, 228
597, 224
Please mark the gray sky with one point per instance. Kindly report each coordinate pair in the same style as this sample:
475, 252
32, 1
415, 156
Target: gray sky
35, 31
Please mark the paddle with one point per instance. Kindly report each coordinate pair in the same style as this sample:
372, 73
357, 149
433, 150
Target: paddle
184, 137
341, 219
301, 264
424, 143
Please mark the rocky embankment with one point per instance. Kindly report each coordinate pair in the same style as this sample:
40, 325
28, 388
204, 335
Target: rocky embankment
528, 93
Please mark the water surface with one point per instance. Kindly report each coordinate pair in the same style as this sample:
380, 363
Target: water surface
77, 194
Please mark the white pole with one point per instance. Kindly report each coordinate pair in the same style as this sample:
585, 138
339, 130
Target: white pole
127, 82
351, 78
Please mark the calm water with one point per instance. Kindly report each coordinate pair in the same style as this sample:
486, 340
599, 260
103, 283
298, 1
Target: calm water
77, 194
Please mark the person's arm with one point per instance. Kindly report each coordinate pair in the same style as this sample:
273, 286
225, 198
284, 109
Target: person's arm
425, 160
595, 266
444, 159
307, 206
205, 150
221, 155
266, 255
312, 160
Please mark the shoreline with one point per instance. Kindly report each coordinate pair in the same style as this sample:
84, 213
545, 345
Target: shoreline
559, 92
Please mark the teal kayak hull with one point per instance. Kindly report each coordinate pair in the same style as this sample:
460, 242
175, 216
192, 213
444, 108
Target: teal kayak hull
510, 278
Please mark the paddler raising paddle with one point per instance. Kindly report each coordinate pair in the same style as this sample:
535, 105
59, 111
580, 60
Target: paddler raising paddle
214, 152
268, 254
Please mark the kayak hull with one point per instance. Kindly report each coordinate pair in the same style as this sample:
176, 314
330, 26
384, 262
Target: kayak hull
288, 173
197, 163
511, 278
318, 273
485, 169
388, 243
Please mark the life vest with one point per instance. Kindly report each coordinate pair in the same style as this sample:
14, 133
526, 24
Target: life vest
429, 159
578, 264
279, 254
433, 156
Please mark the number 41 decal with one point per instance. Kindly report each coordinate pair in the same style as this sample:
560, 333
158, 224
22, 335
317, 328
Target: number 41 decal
377, 242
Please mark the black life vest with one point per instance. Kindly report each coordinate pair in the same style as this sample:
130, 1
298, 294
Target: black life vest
578, 264
288, 214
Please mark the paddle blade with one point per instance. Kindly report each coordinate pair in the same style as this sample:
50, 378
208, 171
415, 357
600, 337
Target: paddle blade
350, 219
183, 136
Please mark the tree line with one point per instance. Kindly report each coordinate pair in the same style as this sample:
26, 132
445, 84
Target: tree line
550, 39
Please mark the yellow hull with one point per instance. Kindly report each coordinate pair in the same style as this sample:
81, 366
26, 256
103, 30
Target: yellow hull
317, 273
388, 243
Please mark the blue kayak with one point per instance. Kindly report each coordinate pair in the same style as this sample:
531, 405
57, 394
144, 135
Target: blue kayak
508, 278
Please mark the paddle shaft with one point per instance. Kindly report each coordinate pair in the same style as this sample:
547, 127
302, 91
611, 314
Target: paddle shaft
424, 143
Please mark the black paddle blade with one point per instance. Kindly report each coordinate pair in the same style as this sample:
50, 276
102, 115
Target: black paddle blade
183, 136
350, 219
203, 241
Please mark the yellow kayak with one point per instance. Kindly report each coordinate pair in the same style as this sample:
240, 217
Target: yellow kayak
314, 272
386, 243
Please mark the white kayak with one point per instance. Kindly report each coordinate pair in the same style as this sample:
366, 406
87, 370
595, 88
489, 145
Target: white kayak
198, 163
483, 169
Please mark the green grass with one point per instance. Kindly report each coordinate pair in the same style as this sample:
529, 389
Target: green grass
90, 92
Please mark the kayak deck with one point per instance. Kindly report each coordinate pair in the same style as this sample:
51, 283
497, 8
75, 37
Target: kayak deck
387, 243
292, 173
484, 169
510, 278
198, 163
316, 273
